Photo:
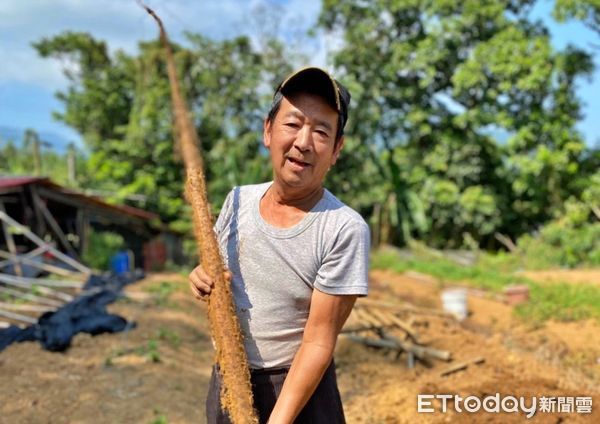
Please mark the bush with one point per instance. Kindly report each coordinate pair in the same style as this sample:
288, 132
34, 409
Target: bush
102, 245
569, 241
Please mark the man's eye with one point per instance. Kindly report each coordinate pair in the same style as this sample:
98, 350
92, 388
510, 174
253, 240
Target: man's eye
322, 133
292, 124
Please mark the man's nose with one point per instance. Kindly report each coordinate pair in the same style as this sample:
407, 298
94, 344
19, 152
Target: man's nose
304, 139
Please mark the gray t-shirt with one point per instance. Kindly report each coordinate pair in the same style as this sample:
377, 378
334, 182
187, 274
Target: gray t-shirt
275, 269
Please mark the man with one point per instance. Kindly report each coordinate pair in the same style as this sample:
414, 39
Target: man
298, 258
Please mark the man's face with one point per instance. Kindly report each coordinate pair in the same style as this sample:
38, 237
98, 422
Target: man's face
301, 139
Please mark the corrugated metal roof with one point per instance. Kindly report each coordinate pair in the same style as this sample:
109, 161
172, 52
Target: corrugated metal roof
6, 182
11, 181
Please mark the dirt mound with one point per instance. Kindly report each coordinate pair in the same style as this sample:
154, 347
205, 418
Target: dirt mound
159, 371
519, 361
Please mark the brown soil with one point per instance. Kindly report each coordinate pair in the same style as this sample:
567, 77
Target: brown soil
589, 276
112, 378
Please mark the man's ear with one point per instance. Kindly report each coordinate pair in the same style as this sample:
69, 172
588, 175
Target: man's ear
267, 133
337, 149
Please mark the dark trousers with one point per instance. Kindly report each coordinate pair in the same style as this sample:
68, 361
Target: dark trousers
323, 407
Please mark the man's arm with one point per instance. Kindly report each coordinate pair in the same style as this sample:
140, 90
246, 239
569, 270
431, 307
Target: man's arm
325, 320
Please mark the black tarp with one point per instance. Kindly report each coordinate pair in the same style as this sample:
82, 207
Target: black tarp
85, 314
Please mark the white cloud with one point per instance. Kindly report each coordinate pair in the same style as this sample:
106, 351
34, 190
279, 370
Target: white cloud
121, 23
23, 67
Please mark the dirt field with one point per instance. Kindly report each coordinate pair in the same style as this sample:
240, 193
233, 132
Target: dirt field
158, 372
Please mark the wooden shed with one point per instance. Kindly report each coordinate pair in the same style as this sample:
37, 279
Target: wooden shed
65, 216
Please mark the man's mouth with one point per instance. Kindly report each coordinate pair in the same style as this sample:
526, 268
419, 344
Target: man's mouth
298, 162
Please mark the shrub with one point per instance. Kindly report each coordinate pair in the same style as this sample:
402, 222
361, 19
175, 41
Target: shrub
569, 241
102, 245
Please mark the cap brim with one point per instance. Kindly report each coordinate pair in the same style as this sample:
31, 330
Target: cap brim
316, 80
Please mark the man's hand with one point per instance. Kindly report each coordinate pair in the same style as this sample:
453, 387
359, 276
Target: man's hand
201, 284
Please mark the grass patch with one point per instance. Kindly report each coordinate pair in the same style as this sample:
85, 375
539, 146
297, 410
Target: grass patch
560, 301
159, 417
162, 291
169, 336
150, 351
445, 270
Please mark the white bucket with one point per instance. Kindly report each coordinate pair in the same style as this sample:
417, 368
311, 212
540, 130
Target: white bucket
455, 302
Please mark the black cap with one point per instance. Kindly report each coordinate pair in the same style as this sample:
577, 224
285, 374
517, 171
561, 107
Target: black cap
317, 81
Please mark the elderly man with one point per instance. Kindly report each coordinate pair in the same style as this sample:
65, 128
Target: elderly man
298, 258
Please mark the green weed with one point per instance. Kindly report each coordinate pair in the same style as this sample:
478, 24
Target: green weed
162, 292
150, 350
169, 336
159, 418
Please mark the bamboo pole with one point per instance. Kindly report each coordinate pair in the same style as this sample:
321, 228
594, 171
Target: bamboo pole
25, 285
22, 295
41, 243
236, 396
10, 242
26, 308
5, 278
39, 265
421, 352
17, 317
58, 232
37, 251
391, 319
462, 366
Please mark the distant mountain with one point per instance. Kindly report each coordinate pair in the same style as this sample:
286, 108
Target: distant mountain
59, 142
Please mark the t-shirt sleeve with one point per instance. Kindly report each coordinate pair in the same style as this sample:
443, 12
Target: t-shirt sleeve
345, 268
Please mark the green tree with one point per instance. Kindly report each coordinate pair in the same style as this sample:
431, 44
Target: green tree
433, 80
587, 11
32, 144
121, 105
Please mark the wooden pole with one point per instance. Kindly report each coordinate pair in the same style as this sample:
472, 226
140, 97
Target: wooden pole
45, 290
41, 243
53, 224
40, 224
37, 251
22, 295
394, 320
26, 308
10, 242
462, 365
42, 282
39, 265
236, 397
421, 352
17, 317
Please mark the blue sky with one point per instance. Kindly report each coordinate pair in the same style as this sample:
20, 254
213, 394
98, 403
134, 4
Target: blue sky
28, 83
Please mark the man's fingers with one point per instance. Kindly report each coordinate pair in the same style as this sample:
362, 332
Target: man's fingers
203, 276
200, 293
201, 284
199, 274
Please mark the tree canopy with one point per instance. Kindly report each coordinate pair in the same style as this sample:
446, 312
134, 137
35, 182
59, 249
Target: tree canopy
462, 124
